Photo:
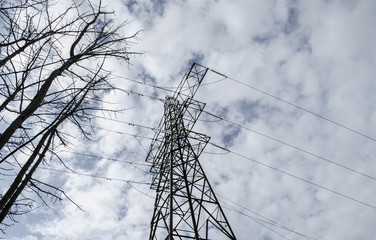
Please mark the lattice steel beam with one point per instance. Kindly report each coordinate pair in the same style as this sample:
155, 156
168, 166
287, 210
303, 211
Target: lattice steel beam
185, 205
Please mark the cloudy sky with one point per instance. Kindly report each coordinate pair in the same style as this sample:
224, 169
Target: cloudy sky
290, 174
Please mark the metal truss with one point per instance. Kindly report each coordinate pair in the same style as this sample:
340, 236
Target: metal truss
185, 205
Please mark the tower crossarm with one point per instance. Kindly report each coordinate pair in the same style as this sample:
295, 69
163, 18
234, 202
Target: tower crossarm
192, 109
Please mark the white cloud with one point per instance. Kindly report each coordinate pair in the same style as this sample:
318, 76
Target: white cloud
317, 54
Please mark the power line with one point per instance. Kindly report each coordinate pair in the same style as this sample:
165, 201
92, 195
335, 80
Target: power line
95, 176
291, 175
269, 137
168, 89
296, 106
107, 158
267, 220
296, 177
138, 190
259, 133
125, 122
213, 82
276, 169
263, 92
129, 182
139, 94
121, 132
292, 146
138, 141
256, 220
130, 124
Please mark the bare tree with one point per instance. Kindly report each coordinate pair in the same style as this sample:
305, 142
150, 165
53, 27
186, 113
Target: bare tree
51, 73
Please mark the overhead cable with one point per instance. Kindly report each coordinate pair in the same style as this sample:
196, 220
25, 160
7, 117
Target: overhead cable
296, 177
147, 84
155, 86
108, 158
290, 145
125, 122
256, 220
267, 220
276, 169
296, 106
122, 132
95, 176
280, 141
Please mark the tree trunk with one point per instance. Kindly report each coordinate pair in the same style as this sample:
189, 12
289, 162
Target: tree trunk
18, 186
35, 103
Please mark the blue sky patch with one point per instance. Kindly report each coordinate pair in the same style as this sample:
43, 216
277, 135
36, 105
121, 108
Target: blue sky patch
292, 22
229, 135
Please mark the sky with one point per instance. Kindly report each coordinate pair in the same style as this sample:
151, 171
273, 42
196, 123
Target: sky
289, 173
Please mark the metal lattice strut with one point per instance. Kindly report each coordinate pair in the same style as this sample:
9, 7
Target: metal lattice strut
185, 205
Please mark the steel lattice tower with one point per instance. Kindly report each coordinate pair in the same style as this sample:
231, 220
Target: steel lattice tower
185, 205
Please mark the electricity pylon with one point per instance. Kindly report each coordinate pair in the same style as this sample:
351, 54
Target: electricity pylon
185, 205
